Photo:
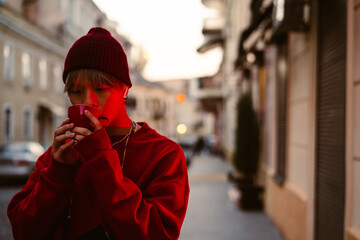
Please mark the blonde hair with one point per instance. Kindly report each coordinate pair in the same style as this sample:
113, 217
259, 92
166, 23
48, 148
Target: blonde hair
94, 76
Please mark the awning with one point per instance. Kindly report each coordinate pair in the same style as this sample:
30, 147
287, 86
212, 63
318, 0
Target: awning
257, 35
211, 44
252, 34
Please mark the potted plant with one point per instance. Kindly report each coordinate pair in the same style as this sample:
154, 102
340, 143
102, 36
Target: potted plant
246, 156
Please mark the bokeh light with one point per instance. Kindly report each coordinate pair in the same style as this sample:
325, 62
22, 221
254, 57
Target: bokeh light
181, 128
181, 97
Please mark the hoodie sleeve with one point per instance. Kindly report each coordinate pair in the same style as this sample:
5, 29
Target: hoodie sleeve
155, 212
38, 211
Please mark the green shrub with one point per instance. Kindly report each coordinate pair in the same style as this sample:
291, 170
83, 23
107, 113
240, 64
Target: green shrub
247, 146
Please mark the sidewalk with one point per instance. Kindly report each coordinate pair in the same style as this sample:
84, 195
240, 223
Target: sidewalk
212, 215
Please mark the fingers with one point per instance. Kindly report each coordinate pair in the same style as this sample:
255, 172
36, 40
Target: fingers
60, 133
63, 128
80, 133
93, 120
61, 151
65, 146
61, 138
77, 133
64, 122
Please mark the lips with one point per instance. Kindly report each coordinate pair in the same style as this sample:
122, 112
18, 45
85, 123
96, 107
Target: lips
104, 121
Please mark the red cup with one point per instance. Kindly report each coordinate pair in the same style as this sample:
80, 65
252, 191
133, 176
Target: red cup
77, 115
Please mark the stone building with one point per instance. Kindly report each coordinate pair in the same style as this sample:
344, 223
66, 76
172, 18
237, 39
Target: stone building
32, 100
153, 103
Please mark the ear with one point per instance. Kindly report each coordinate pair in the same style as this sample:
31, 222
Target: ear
126, 92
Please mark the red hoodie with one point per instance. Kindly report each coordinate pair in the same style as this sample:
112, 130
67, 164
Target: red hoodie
97, 199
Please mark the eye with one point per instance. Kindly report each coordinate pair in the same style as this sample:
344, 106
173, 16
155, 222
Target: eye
101, 89
75, 91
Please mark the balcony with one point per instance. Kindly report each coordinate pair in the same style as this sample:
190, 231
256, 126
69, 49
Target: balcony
213, 27
207, 88
212, 31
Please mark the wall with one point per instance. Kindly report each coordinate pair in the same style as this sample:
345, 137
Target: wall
290, 205
287, 209
353, 123
286, 204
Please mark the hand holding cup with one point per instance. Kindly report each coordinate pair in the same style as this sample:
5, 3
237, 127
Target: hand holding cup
86, 119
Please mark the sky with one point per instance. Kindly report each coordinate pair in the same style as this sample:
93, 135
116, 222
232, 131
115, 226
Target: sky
169, 31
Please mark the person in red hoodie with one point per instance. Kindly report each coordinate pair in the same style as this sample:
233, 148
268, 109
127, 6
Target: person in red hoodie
123, 180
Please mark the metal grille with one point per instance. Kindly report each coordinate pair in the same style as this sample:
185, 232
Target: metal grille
330, 149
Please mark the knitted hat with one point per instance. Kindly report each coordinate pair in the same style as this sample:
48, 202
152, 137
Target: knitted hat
100, 51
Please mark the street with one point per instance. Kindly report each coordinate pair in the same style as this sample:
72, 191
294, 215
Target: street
211, 215
7, 191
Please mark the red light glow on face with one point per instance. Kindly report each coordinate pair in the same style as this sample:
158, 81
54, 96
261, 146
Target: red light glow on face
107, 98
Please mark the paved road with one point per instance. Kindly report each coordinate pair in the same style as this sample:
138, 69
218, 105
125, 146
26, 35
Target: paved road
212, 213
7, 191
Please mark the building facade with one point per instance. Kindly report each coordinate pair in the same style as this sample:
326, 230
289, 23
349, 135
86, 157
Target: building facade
32, 100
153, 103
34, 40
299, 59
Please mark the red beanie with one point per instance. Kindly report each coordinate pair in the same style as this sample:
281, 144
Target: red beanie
100, 51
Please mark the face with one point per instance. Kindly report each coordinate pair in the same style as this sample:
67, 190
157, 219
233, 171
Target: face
107, 98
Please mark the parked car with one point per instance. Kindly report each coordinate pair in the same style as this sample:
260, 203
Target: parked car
18, 159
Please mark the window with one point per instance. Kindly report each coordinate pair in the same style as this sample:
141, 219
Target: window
57, 78
26, 69
158, 109
8, 120
43, 74
8, 54
27, 124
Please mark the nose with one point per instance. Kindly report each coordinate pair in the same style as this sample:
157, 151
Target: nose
90, 98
